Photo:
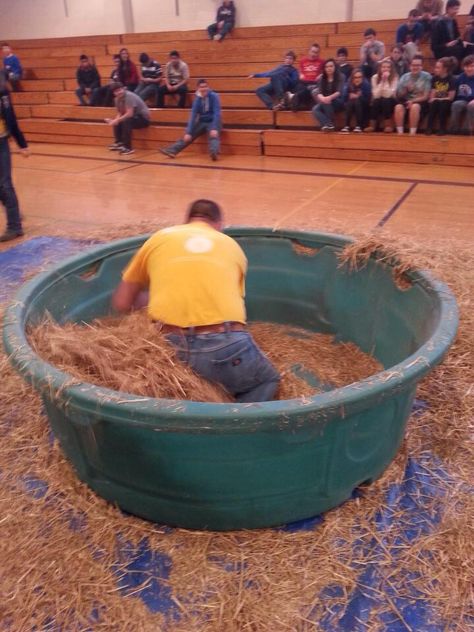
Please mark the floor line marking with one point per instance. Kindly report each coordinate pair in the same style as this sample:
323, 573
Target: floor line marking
178, 165
394, 208
313, 199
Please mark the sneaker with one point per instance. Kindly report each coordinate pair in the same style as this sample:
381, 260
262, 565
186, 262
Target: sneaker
330, 128
325, 128
218, 37
126, 151
357, 129
346, 130
115, 146
167, 152
289, 98
279, 106
388, 129
369, 129
10, 234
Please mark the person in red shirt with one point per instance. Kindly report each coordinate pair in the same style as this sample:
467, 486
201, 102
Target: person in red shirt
128, 73
311, 67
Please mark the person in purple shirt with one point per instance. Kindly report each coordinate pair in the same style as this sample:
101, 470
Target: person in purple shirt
205, 117
283, 79
12, 66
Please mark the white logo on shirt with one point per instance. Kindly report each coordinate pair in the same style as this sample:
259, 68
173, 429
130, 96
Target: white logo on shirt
198, 244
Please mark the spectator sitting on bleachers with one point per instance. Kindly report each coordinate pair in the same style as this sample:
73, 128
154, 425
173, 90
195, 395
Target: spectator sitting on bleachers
384, 93
409, 35
328, 96
398, 60
225, 21
464, 100
12, 65
468, 34
132, 113
430, 11
412, 93
356, 96
128, 73
311, 67
344, 66
283, 78
205, 117
103, 96
150, 78
443, 89
175, 80
371, 52
88, 80
445, 37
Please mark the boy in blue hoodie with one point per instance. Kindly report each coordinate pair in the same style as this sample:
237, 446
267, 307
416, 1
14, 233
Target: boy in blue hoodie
283, 79
9, 126
464, 99
205, 117
12, 66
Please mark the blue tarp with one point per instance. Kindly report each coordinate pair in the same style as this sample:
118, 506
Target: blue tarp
415, 505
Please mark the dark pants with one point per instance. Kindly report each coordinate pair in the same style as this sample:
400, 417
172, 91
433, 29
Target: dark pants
123, 130
439, 109
212, 29
7, 192
274, 90
102, 97
382, 108
163, 91
303, 97
198, 130
147, 91
14, 81
231, 359
357, 108
81, 93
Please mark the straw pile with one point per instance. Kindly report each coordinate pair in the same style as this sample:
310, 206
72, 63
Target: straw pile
258, 581
129, 354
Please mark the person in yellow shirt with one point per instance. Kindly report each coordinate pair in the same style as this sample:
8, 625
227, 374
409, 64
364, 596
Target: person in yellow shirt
194, 278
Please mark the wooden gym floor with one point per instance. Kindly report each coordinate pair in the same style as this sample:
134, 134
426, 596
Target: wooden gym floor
69, 189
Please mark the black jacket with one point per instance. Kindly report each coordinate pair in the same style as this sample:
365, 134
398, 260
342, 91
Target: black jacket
440, 36
8, 114
88, 78
226, 14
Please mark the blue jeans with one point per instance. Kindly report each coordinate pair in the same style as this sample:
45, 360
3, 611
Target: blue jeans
198, 130
324, 112
213, 30
231, 359
275, 89
7, 192
81, 93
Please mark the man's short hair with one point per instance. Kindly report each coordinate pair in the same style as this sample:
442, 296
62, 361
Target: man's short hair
414, 13
174, 53
342, 51
418, 56
201, 81
453, 3
467, 61
315, 45
291, 54
144, 58
368, 32
116, 85
206, 209
84, 58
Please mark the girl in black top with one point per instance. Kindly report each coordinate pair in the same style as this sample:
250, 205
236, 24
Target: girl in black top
443, 88
328, 96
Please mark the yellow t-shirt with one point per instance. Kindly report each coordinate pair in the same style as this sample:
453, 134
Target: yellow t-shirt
195, 275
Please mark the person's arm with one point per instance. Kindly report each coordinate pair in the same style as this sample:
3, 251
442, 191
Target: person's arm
129, 109
424, 96
377, 56
79, 79
135, 281
12, 123
185, 79
125, 296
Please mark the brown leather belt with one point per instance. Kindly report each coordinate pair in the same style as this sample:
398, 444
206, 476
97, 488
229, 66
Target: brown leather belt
218, 328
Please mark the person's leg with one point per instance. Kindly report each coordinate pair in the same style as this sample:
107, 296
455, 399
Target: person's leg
375, 113
94, 96
414, 117
15, 82
182, 92
212, 30
226, 29
444, 110
147, 91
348, 114
400, 117
180, 144
214, 143
457, 110
433, 112
319, 113
360, 112
7, 192
265, 93
231, 359
160, 99
80, 95
388, 106
278, 87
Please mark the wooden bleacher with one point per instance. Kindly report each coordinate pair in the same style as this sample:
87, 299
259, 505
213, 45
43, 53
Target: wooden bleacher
48, 106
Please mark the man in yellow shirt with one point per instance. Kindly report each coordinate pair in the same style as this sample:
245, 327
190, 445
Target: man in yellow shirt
195, 278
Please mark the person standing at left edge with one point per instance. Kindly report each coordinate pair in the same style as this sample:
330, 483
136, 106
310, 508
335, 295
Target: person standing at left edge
9, 126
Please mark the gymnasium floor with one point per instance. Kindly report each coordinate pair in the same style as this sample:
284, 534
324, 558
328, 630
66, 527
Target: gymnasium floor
65, 189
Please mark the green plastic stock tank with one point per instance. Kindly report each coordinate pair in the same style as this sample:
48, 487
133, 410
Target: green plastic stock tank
232, 466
